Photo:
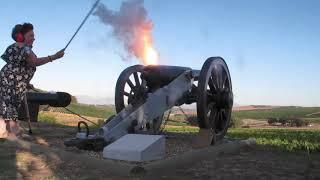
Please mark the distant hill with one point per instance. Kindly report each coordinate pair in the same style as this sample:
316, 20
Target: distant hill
243, 112
85, 99
252, 107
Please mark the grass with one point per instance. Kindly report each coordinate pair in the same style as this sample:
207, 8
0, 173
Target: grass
176, 123
47, 118
183, 129
99, 111
285, 139
235, 122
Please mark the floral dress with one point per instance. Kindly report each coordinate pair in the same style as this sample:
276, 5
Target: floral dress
14, 78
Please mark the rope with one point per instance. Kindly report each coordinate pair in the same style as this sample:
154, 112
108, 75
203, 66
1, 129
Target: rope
183, 112
81, 116
165, 122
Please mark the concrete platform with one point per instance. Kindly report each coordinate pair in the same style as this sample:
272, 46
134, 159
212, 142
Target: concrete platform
136, 147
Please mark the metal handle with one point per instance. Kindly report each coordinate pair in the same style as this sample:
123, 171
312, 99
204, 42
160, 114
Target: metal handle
86, 125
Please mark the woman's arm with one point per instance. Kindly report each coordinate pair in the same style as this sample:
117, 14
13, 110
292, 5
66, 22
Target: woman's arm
33, 60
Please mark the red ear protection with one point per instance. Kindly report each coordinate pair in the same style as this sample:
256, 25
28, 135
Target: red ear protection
19, 37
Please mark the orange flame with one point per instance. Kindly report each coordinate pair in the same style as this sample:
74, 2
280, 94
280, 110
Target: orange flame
143, 46
150, 55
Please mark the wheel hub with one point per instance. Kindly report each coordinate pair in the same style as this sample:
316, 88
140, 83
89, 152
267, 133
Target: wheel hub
139, 95
224, 99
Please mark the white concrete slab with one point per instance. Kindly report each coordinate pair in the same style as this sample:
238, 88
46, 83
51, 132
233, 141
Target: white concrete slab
136, 147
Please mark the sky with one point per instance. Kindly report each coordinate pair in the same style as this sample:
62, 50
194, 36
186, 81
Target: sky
272, 47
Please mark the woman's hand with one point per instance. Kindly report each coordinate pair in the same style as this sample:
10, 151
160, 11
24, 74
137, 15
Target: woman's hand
30, 86
58, 55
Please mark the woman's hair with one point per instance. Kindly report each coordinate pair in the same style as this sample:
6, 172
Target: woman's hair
21, 28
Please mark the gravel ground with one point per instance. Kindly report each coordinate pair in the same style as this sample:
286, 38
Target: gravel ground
256, 162
176, 143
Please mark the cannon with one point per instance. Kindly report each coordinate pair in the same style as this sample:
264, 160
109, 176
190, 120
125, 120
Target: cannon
35, 99
144, 93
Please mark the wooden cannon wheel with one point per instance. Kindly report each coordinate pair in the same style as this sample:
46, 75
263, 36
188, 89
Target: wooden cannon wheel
215, 97
132, 89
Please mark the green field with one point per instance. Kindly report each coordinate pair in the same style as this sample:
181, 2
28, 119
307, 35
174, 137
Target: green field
281, 112
285, 139
183, 129
47, 118
99, 111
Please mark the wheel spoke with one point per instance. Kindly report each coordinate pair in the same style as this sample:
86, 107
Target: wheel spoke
130, 84
213, 117
127, 94
219, 77
209, 113
216, 121
211, 97
224, 80
227, 113
214, 77
224, 114
136, 78
212, 85
144, 84
222, 120
215, 81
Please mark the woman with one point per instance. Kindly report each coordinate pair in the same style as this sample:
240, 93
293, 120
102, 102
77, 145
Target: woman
15, 76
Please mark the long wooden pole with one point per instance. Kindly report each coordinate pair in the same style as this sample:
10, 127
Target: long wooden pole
84, 20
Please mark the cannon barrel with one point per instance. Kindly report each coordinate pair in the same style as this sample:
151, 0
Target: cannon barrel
159, 76
57, 99
35, 99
